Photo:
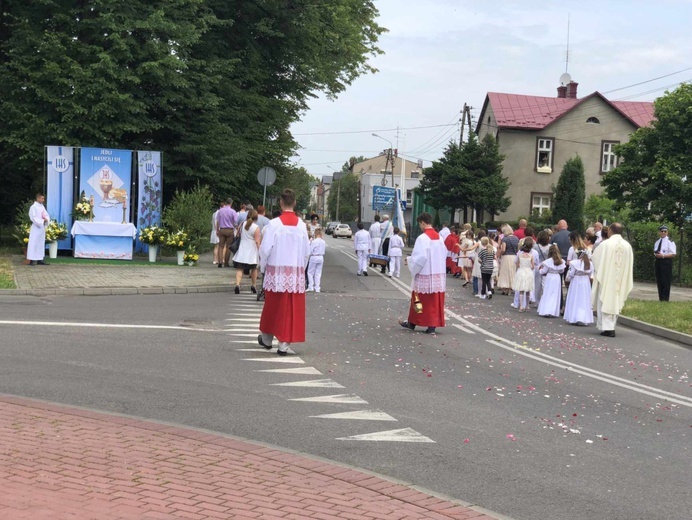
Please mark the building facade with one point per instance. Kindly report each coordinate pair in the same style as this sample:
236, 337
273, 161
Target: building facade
538, 135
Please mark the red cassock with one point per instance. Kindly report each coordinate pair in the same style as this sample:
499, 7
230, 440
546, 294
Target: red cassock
433, 314
283, 314
452, 245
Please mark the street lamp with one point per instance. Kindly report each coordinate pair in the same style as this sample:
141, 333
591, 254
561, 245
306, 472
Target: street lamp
389, 156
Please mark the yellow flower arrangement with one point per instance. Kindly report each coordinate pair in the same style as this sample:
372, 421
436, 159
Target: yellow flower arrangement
178, 240
21, 233
153, 235
82, 210
56, 231
191, 256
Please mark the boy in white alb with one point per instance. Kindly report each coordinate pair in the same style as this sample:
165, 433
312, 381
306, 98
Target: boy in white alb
317, 249
396, 247
363, 245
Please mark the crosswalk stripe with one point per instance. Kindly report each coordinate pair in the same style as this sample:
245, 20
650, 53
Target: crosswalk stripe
309, 371
468, 331
278, 359
339, 398
360, 415
402, 435
316, 383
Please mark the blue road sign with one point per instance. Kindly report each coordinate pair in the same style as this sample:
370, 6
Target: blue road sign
382, 198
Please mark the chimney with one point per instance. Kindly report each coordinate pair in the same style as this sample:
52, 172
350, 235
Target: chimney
562, 91
572, 90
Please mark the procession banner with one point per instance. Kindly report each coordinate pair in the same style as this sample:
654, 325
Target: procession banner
148, 193
60, 187
105, 176
382, 198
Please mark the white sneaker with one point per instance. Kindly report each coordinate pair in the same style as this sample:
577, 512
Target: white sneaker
390, 275
483, 297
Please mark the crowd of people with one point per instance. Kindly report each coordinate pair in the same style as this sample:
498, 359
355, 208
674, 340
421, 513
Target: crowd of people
557, 271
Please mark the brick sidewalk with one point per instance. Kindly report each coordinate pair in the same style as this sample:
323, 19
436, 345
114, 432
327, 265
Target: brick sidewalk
65, 463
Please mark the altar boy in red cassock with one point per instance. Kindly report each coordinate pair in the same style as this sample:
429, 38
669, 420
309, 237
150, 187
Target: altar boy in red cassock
427, 266
283, 255
453, 249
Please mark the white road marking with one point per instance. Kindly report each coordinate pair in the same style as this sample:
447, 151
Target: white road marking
254, 331
243, 335
463, 328
253, 320
246, 342
278, 359
339, 398
102, 325
316, 383
360, 415
308, 371
402, 435
256, 350
595, 374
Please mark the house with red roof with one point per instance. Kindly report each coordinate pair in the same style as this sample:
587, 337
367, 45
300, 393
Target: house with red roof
538, 135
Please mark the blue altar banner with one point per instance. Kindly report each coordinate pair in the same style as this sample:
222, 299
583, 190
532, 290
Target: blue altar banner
60, 187
149, 193
106, 175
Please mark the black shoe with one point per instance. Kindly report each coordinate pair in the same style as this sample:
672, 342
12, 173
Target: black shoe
407, 325
237, 290
32, 263
489, 297
608, 333
382, 271
219, 266
259, 340
253, 289
282, 352
41, 262
430, 330
365, 273
358, 273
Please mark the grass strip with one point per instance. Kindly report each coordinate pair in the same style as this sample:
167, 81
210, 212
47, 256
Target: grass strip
6, 273
671, 315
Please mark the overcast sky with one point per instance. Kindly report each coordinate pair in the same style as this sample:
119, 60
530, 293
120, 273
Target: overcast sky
440, 54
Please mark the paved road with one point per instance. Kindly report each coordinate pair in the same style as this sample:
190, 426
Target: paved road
530, 418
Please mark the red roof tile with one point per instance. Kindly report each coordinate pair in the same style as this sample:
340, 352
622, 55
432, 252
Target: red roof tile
537, 112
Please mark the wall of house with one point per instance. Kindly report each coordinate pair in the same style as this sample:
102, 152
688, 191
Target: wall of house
572, 135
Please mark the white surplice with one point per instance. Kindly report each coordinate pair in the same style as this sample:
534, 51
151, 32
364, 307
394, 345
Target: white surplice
428, 265
283, 255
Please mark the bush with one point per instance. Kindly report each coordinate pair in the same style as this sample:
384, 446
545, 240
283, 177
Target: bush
191, 211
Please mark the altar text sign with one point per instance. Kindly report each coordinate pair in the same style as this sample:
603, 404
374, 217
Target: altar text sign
106, 174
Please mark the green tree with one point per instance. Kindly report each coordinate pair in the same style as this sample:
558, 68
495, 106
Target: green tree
569, 194
489, 187
654, 178
441, 185
213, 84
601, 208
347, 196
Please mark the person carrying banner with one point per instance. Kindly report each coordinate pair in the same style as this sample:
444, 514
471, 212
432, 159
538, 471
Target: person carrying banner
283, 253
427, 266
385, 235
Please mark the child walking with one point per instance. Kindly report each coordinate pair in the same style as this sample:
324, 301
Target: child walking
486, 255
363, 245
316, 262
578, 305
551, 269
523, 282
396, 247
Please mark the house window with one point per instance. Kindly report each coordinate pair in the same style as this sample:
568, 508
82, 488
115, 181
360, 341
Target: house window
540, 202
544, 154
414, 174
593, 121
609, 159
409, 198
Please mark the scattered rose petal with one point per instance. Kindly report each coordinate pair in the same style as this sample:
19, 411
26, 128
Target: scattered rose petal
466, 441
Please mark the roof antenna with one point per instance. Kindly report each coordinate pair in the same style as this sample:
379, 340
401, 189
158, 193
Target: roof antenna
565, 79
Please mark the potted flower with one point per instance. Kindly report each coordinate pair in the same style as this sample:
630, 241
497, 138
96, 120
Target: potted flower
153, 236
82, 210
179, 241
21, 233
191, 256
55, 231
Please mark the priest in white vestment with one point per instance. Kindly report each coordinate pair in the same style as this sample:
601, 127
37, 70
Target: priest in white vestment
427, 264
613, 279
283, 255
36, 249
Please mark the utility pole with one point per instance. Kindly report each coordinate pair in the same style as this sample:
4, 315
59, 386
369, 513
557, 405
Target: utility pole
465, 119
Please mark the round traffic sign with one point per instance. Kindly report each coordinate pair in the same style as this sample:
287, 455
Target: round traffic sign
266, 176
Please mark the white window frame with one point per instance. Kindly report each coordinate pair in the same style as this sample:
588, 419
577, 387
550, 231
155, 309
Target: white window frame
545, 149
609, 159
541, 206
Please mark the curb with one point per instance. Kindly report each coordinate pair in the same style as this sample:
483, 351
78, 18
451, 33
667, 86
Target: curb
109, 291
679, 337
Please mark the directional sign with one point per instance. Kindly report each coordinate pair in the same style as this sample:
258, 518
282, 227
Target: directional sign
382, 198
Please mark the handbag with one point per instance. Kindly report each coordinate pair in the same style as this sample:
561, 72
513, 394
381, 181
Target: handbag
235, 245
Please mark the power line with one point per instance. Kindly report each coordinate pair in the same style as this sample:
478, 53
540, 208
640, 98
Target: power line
647, 81
653, 90
376, 130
